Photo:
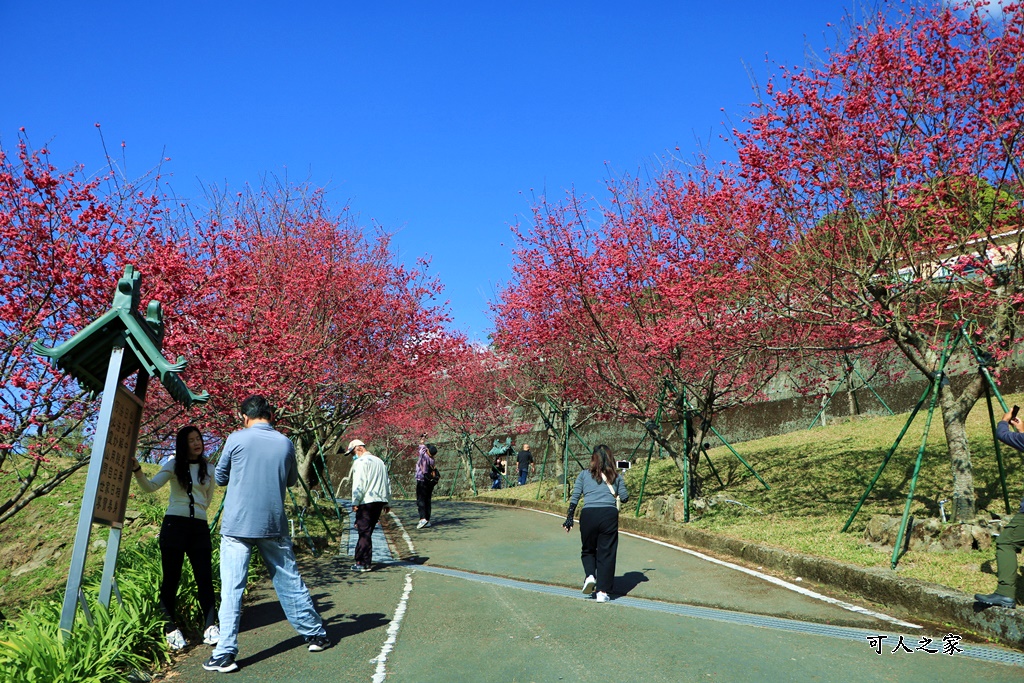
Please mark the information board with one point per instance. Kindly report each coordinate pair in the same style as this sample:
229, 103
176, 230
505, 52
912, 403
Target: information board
122, 438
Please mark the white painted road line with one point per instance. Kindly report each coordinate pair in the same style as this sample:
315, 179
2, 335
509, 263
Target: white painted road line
381, 673
765, 577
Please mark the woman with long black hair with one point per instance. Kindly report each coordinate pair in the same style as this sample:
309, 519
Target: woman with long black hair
602, 489
185, 530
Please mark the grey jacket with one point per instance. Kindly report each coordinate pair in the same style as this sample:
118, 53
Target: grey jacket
596, 493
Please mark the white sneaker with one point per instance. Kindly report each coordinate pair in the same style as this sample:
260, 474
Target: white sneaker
176, 640
426, 524
588, 585
211, 636
602, 596
422, 524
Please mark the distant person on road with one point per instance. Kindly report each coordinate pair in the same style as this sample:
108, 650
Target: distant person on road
424, 484
525, 460
602, 489
1011, 539
498, 469
371, 491
257, 465
185, 530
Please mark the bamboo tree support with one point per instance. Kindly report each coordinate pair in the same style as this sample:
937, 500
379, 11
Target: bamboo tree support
300, 515
740, 458
569, 426
329, 494
888, 455
458, 470
316, 508
550, 425
216, 518
632, 454
995, 442
850, 367
686, 460
543, 464
687, 436
824, 406
565, 459
650, 451
990, 383
868, 386
731, 449
387, 463
643, 479
712, 466
220, 508
936, 385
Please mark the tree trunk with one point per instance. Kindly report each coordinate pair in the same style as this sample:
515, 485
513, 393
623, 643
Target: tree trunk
954, 418
466, 456
304, 463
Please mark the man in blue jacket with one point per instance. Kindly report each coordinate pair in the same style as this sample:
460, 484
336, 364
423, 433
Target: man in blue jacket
257, 464
1011, 538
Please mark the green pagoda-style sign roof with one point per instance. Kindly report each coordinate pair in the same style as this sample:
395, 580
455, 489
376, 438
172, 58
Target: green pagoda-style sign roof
87, 354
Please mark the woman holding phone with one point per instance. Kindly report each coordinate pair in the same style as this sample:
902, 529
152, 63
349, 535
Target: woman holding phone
602, 489
185, 530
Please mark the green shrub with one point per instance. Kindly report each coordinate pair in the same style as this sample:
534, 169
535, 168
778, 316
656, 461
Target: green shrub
121, 640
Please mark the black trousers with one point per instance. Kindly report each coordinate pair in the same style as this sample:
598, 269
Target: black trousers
424, 490
181, 536
367, 517
599, 533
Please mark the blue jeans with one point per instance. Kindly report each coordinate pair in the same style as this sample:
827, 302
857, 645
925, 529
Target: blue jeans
291, 591
522, 476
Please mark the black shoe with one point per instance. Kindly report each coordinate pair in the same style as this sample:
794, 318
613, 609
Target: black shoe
224, 663
996, 599
318, 643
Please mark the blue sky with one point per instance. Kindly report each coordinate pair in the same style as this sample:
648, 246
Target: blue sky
439, 121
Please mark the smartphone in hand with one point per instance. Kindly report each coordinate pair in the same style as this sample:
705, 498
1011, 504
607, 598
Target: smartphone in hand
1013, 413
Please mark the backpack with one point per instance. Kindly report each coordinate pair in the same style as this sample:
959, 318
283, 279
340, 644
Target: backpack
432, 476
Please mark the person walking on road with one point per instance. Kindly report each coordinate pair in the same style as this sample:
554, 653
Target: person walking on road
1011, 539
424, 482
257, 465
525, 459
602, 489
498, 470
371, 491
185, 531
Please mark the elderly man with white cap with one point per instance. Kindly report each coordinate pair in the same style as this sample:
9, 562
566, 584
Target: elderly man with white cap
371, 491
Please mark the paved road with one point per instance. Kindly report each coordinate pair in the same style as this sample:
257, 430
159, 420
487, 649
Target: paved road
492, 594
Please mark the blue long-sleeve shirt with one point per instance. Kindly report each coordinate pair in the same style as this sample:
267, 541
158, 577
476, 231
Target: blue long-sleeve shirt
596, 493
257, 464
1012, 439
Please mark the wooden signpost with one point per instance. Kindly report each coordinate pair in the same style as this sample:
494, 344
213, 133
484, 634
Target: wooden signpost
115, 346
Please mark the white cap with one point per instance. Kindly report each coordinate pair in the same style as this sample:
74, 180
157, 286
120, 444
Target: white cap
352, 445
